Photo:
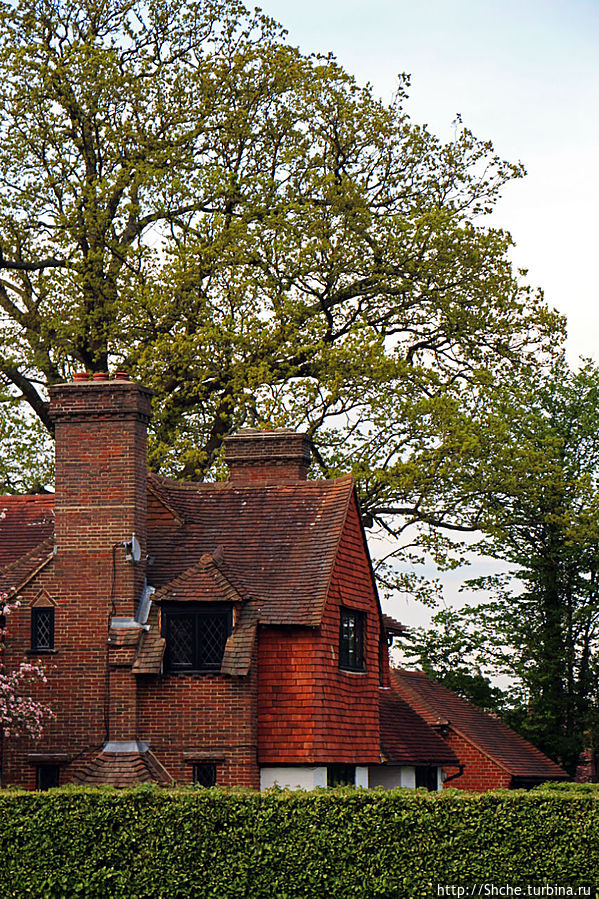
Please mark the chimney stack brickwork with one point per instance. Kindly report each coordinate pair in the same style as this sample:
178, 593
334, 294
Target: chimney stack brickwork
101, 473
100, 502
266, 458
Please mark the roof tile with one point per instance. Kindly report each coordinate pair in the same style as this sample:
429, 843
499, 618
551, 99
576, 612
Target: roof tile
25, 521
406, 738
492, 736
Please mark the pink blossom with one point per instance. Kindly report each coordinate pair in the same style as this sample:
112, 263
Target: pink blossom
20, 713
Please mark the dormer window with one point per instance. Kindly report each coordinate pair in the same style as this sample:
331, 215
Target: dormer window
351, 640
196, 634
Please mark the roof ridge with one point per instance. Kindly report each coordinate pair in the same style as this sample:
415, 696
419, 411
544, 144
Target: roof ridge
405, 688
162, 481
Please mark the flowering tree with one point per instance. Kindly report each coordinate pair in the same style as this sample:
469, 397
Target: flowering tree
20, 713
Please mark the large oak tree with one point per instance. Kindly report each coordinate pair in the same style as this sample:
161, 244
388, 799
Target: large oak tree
243, 227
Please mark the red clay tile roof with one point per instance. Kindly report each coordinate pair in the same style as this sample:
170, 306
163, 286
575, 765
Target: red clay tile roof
16, 575
406, 739
25, 521
240, 645
495, 739
279, 542
202, 582
392, 626
123, 769
150, 653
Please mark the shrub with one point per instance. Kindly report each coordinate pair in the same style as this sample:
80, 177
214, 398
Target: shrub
352, 844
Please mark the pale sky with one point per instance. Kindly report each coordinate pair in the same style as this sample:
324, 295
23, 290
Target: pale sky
523, 74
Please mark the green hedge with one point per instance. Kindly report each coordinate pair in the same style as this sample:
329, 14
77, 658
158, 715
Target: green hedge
336, 843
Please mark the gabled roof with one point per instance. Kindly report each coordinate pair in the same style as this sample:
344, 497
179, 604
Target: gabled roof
279, 542
438, 705
202, 582
25, 521
406, 739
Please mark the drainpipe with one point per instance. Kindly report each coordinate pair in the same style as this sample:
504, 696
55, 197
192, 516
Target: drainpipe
455, 776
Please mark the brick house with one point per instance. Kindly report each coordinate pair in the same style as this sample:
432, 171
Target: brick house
204, 633
491, 755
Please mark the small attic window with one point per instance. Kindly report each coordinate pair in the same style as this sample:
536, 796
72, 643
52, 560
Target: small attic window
196, 634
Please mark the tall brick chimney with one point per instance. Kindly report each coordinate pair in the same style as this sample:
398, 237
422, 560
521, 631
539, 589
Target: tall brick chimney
101, 472
280, 456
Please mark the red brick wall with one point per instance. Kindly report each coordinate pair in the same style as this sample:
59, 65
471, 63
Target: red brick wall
309, 711
204, 714
100, 501
480, 773
77, 685
175, 714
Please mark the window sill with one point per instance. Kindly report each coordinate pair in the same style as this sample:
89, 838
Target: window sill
196, 672
41, 652
353, 670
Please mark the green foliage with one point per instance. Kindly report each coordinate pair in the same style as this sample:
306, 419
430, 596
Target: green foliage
342, 843
258, 238
541, 625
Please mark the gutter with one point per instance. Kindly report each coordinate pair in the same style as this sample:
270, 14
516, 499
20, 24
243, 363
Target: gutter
454, 776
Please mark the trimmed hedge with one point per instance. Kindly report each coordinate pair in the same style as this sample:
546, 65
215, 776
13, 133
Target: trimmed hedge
352, 844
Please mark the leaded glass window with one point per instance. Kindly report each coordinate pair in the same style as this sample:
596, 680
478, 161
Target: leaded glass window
42, 628
196, 635
351, 640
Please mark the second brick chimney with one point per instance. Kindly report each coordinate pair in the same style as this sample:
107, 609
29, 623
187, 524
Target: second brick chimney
267, 458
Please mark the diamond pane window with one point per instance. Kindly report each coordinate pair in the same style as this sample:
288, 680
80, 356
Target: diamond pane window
196, 635
42, 628
351, 640
181, 638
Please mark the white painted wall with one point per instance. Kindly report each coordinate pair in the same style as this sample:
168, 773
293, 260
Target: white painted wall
308, 777
293, 777
361, 776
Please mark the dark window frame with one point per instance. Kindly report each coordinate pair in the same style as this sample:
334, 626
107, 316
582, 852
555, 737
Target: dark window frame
37, 613
204, 774
426, 776
341, 775
47, 777
200, 661
352, 633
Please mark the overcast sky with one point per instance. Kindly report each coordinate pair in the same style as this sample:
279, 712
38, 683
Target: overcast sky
523, 74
